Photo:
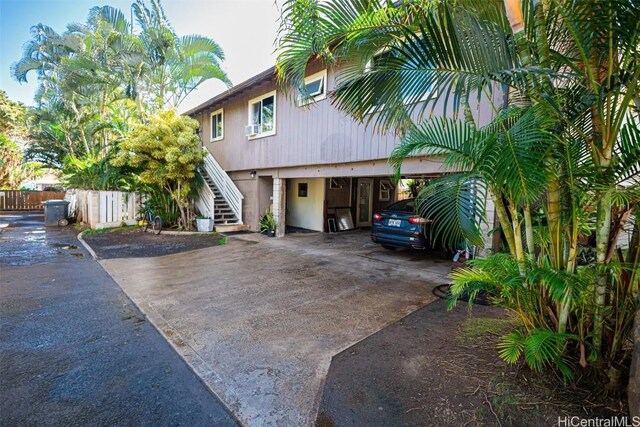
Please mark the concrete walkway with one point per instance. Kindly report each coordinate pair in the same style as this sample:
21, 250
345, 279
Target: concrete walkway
74, 350
260, 319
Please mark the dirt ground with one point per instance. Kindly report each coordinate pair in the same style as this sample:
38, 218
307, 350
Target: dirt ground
134, 243
440, 367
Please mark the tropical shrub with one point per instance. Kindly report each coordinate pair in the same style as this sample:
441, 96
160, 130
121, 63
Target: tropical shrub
167, 152
267, 222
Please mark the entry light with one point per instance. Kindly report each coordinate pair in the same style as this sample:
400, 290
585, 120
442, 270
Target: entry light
252, 174
377, 217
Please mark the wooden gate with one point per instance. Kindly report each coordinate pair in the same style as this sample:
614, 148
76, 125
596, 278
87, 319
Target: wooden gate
16, 200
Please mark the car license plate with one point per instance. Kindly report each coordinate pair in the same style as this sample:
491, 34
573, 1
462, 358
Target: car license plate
394, 223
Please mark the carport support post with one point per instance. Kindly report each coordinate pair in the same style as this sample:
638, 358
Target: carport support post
279, 204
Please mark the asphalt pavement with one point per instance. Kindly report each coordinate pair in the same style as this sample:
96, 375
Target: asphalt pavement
74, 349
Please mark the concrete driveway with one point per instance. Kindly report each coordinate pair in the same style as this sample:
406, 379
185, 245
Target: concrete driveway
259, 319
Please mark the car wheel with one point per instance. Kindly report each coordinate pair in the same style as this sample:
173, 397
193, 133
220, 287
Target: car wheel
388, 247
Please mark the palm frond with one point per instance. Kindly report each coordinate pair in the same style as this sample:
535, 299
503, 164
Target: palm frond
455, 139
511, 347
457, 204
517, 162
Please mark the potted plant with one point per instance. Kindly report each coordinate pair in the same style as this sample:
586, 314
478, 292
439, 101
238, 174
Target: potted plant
204, 223
268, 224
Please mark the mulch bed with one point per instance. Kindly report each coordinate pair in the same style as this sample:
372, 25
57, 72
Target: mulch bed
136, 243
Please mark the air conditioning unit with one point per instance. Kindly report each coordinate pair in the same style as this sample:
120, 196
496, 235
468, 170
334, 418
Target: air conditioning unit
252, 130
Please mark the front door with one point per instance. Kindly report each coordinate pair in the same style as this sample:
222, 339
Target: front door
363, 211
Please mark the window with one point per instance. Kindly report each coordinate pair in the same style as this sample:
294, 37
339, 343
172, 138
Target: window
337, 183
408, 205
217, 125
303, 189
385, 190
315, 88
262, 116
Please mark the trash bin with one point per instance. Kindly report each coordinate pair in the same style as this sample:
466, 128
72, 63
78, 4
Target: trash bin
55, 212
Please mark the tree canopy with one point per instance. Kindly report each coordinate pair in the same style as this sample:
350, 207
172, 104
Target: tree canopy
14, 168
167, 152
98, 78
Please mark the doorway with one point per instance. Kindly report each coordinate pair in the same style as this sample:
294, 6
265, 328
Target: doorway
364, 202
265, 195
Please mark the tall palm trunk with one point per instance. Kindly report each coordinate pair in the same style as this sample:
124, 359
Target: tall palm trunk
503, 218
517, 237
553, 217
528, 227
603, 153
603, 229
565, 305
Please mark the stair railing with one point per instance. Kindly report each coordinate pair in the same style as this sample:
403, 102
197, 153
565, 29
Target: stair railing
206, 201
225, 185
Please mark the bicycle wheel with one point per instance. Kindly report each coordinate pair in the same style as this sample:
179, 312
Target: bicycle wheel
157, 225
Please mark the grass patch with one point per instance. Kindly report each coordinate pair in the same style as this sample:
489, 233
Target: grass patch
476, 328
111, 229
223, 241
207, 234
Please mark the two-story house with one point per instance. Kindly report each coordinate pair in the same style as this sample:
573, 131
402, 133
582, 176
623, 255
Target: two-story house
307, 161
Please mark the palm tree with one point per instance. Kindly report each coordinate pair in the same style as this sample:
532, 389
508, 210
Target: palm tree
92, 74
564, 141
174, 66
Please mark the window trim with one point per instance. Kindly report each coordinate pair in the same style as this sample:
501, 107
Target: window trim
385, 190
322, 74
275, 112
215, 113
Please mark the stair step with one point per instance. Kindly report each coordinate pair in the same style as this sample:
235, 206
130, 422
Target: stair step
223, 214
228, 228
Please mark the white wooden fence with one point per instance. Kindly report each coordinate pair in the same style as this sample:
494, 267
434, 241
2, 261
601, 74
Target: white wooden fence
102, 209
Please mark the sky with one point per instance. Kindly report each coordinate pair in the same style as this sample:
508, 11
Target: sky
245, 29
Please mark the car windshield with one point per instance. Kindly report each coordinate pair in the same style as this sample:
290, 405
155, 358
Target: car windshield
408, 205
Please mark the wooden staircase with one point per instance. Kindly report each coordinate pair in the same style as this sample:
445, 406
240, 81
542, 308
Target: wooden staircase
223, 201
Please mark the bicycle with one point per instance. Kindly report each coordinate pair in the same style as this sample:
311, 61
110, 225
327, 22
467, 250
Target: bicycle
149, 218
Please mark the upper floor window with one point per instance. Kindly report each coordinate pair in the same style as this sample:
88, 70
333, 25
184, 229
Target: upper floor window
262, 116
217, 125
315, 88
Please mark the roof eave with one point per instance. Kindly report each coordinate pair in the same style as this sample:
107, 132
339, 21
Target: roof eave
235, 90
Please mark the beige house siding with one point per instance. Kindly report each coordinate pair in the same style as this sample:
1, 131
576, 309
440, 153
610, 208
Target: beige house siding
310, 144
315, 135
